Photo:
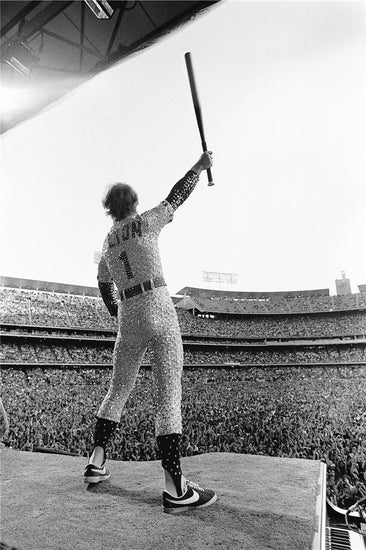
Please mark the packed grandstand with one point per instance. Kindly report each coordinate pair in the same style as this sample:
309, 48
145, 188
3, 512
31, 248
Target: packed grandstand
278, 374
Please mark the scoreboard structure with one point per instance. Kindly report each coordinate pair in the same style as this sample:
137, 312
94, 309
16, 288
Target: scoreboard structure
343, 285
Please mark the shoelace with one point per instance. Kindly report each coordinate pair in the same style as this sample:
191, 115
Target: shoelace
194, 485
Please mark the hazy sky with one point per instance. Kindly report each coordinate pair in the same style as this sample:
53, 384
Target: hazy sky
283, 90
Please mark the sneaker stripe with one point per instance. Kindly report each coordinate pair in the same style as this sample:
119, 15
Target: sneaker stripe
195, 496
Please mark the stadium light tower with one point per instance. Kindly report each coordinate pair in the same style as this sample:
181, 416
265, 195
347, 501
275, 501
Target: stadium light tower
343, 285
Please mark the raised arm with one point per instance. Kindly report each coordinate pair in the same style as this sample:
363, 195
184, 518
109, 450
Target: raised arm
184, 187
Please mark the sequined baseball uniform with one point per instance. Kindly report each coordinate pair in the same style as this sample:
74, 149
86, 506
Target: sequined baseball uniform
131, 261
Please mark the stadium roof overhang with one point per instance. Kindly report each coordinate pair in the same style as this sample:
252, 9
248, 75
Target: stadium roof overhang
247, 295
50, 47
188, 303
47, 286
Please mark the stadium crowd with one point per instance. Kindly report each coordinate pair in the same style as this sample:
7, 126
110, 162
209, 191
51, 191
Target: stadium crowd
53, 309
92, 353
313, 413
62, 310
265, 326
208, 300
258, 326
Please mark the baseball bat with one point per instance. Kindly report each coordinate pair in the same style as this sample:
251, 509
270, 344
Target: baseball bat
197, 108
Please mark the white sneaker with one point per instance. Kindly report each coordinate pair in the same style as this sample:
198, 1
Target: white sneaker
194, 497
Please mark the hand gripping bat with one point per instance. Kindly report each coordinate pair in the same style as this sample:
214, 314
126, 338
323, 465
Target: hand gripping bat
197, 108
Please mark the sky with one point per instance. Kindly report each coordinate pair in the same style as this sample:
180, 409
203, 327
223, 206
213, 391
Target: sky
282, 87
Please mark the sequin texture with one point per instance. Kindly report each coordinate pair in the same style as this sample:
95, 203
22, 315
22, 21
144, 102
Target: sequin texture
131, 257
182, 189
146, 320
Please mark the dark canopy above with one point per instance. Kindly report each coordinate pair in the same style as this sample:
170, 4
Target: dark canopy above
49, 48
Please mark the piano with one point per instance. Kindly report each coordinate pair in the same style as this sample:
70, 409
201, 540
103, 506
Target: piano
340, 538
346, 529
336, 528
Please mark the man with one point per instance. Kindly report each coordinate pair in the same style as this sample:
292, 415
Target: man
146, 317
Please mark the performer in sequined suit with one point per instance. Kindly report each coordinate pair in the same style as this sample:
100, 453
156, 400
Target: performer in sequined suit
130, 263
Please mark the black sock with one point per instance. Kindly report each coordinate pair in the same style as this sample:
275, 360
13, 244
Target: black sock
170, 458
104, 430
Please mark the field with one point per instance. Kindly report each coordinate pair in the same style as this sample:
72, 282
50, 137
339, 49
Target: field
315, 413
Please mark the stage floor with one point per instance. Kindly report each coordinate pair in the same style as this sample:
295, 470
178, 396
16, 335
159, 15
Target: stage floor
263, 503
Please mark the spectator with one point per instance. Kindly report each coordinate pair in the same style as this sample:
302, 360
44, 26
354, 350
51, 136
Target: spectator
278, 411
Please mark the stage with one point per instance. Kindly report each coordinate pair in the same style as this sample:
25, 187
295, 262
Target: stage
263, 503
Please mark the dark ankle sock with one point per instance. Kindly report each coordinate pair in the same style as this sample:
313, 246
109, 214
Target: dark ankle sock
104, 430
170, 458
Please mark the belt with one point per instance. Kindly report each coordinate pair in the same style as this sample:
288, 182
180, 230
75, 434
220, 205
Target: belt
142, 287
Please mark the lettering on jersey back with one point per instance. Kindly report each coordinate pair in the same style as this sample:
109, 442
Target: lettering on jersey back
128, 231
